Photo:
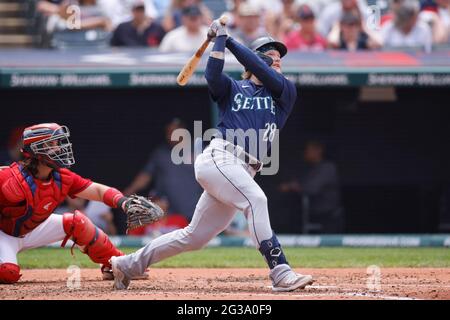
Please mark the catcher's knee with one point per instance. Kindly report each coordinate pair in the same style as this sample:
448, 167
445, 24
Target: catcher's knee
93, 241
9, 273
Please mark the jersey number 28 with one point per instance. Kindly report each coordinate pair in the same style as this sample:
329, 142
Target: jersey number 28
269, 134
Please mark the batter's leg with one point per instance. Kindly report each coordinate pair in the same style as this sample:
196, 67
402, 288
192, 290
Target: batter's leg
210, 218
232, 183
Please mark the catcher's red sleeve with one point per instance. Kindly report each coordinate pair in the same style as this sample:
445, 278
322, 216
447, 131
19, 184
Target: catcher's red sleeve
79, 183
112, 197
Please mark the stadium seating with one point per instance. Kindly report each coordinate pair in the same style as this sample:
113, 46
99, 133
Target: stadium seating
17, 24
82, 38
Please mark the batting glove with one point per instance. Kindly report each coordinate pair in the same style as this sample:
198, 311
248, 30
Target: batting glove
216, 29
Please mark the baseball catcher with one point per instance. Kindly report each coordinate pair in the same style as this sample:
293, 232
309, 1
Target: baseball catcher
31, 189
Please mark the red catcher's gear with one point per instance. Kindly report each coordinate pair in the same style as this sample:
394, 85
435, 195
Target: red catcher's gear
93, 241
112, 197
49, 143
39, 199
9, 273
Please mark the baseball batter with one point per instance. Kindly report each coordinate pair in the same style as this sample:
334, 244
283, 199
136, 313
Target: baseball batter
31, 189
263, 101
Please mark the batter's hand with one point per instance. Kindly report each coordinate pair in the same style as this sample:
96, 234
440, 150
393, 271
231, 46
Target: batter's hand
217, 29
141, 211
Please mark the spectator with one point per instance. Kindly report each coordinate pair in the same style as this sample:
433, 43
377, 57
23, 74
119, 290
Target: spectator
60, 17
249, 27
320, 183
120, 11
280, 23
394, 5
141, 31
171, 221
443, 10
189, 36
305, 38
173, 17
161, 6
436, 13
405, 30
177, 182
436, 16
350, 36
232, 13
333, 12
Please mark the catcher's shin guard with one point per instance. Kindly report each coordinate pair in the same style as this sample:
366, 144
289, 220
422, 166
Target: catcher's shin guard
9, 273
93, 241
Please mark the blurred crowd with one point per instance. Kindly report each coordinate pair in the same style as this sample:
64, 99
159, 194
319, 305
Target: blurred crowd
306, 25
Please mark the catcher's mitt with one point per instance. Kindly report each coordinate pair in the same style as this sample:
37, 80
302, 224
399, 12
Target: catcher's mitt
141, 211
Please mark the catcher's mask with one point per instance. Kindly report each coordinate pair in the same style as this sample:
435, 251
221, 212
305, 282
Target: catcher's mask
49, 143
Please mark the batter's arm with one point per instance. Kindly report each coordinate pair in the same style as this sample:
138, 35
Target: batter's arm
271, 79
218, 82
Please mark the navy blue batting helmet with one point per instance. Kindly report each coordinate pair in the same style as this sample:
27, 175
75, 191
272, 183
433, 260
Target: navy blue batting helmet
264, 44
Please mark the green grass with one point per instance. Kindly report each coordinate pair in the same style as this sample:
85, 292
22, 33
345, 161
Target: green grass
250, 258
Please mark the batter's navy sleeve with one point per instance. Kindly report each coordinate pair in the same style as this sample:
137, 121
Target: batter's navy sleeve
288, 96
218, 82
271, 79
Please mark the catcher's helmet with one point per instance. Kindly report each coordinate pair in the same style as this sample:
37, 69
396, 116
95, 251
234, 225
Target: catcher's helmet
48, 142
263, 43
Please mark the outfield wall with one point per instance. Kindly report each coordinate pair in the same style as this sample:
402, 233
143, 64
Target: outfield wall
313, 241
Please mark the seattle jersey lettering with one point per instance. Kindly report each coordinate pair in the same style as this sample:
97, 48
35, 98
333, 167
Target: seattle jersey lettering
242, 102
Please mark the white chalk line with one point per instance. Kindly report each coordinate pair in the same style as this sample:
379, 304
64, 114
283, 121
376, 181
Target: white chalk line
350, 293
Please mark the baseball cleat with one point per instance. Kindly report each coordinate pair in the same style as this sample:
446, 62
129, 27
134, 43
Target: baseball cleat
293, 282
121, 282
285, 279
107, 275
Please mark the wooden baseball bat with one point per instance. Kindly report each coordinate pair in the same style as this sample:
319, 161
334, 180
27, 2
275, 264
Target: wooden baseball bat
190, 66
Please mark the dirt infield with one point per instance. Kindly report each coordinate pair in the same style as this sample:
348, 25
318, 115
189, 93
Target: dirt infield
236, 284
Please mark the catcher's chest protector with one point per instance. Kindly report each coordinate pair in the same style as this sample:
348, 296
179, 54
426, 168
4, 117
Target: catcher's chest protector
36, 200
